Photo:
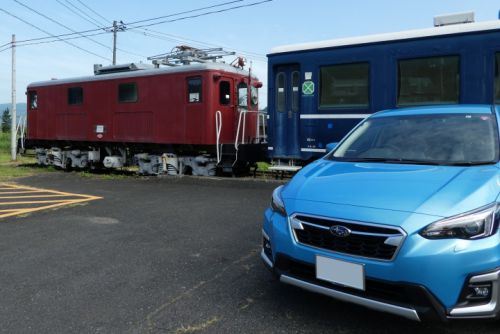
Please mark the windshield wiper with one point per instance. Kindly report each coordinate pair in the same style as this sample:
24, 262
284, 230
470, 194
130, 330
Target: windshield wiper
471, 163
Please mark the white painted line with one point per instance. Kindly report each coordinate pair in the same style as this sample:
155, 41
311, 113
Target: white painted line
270, 148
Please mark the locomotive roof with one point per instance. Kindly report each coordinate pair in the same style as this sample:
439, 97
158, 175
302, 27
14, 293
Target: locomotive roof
147, 72
402, 35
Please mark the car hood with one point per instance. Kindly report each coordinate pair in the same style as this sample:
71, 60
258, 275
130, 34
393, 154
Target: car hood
432, 190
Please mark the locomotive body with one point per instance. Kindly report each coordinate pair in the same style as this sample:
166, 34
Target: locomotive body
199, 114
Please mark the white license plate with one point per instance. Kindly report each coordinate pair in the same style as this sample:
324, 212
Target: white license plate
340, 272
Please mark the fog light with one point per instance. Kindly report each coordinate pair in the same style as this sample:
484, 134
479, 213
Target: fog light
479, 291
266, 244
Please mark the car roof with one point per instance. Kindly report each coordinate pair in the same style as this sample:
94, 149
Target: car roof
441, 109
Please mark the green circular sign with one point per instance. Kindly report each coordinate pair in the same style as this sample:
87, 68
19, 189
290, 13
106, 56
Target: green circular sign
308, 88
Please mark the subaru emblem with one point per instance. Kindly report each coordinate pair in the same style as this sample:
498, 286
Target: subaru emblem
340, 231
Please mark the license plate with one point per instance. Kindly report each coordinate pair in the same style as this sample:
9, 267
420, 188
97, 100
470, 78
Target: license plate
340, 272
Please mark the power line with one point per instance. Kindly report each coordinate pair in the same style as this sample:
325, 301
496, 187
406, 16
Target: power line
60, 24
201, 14
97, 23
93, 11
78, 14
110, 27
52, 36
68, 28
186, 12
57, 38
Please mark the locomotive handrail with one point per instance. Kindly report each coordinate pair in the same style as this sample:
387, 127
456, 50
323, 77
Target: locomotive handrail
242, 115
218, 130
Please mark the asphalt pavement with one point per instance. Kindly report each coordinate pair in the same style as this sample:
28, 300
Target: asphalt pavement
163, 255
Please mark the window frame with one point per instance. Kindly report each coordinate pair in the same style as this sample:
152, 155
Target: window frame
277, 92
424, 57
228, 99
496, 76
136, 88
32, 93
366, 105
69, 90
188, 95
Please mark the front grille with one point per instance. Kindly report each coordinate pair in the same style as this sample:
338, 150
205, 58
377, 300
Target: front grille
364, 240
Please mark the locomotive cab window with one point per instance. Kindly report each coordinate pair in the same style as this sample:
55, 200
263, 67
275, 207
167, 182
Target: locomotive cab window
224, 93
431, 80
497, 77
194, 90
344, 86
254, 96
242, 94
33, 100
127, 92
75, 95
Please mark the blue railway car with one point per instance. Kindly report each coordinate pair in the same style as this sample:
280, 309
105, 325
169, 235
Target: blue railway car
319, 91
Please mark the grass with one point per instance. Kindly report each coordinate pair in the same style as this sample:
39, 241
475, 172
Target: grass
22, 167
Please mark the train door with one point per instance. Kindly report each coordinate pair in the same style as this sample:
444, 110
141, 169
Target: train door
287, 111
227, 109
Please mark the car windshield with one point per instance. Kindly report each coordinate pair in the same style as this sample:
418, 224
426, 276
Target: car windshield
442, 139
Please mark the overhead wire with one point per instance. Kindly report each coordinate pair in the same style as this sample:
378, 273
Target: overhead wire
97, 23
109, 27
79, 15
85, 33
53, 36
198, 15
187, 11
60, 24
93, 11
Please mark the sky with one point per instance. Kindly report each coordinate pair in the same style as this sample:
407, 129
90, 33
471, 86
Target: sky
251, 30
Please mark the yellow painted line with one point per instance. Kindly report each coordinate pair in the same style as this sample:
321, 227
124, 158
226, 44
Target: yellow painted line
33, 196
22, 192
54, 203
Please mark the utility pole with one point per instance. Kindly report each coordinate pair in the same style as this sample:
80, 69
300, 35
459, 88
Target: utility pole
13, 128
116, 27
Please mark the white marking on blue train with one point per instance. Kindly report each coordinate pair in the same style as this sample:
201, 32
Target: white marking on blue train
270, 148
334, 116
318, 150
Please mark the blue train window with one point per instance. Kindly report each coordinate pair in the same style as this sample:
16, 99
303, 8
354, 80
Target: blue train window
497, 78
295, 91
345, 86
280, 92
431, 80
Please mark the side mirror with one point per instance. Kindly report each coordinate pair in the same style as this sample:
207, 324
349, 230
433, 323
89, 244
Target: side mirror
330, 147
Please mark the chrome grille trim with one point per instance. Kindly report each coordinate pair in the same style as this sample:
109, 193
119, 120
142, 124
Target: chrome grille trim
297, 224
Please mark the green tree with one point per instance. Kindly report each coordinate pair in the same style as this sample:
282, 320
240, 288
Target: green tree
6, 120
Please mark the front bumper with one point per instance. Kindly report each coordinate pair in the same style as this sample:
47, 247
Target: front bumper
425, 292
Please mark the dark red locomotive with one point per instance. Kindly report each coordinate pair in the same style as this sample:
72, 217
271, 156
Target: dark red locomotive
181, 119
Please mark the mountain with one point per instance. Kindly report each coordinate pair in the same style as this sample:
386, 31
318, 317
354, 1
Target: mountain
20, 109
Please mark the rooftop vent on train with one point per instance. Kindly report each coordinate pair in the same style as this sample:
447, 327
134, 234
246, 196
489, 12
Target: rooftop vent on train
99, 69
185, 55
456, 18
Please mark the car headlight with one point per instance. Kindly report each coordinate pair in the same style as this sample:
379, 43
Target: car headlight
277, 203
480, 223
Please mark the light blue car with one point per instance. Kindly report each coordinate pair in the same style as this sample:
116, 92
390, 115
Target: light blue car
402, 216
